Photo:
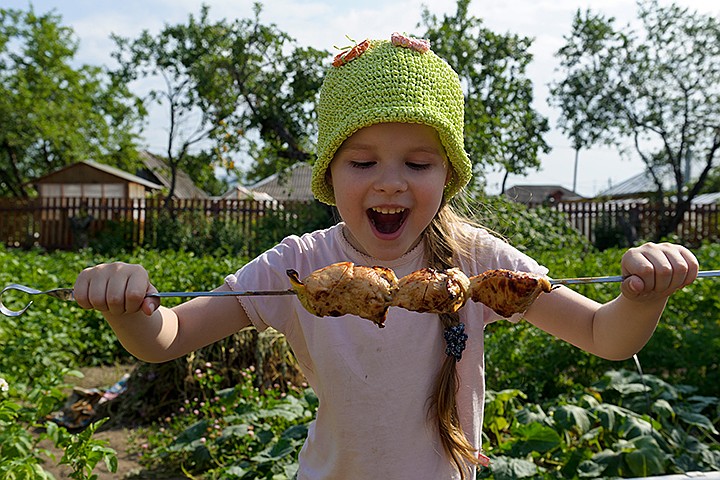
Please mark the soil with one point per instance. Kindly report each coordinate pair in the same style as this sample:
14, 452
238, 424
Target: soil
117, 438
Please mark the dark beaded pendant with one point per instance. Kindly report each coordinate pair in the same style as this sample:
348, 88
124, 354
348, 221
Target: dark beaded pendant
455, 337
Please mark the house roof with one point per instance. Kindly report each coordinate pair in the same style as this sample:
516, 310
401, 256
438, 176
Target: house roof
156, 170
292, 184
707, 198
243, 193
540, 193
642, 185
74, 174
637, 185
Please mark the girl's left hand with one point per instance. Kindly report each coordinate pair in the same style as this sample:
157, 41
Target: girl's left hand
656, 270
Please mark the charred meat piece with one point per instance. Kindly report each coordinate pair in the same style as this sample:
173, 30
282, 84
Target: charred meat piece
433, 291
507, 292
344, 288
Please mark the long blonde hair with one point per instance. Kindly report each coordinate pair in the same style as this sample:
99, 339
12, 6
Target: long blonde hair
444, 242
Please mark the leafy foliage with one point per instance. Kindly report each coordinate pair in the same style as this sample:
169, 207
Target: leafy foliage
236, 432
623, 426
54, 113
542, 420
502, 129
655, 88
682, 350
252, 86
20, 454
533, 230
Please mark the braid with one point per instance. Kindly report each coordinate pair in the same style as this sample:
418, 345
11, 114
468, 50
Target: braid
442, 248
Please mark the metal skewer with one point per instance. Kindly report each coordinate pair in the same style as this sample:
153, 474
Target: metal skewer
68, 294
615, 278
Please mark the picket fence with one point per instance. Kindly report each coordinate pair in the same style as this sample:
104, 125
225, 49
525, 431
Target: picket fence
67, 223
70, 223
636, 221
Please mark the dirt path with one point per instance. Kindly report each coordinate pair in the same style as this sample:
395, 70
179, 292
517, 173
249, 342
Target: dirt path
117, 439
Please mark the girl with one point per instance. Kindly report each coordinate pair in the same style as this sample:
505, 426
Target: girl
396, 402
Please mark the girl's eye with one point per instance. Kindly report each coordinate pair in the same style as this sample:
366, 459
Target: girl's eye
418, 166
359, 164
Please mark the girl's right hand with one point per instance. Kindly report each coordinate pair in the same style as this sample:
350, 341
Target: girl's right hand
116, 288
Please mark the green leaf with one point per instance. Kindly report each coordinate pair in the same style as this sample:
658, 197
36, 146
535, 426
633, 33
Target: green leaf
572, 417
633, 427
535, 438
648, 459
697, 420
192, 433
610, 415
506, 468
296, 432
663, 409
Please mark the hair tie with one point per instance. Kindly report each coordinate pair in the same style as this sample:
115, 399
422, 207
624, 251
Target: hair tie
455, 338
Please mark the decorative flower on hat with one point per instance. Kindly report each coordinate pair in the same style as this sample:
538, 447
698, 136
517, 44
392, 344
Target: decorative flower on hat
417, 44
349, 55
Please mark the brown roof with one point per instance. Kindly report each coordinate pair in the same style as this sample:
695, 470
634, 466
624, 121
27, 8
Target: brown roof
156, 170
88, 171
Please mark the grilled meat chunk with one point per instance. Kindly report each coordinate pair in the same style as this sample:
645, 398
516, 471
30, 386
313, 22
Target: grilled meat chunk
433, 291
344, 288
507, 292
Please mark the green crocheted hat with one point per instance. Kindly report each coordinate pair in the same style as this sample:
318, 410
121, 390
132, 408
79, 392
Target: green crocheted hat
380, 81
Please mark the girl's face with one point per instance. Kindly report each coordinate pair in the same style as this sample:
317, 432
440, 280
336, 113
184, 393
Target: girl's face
388, 181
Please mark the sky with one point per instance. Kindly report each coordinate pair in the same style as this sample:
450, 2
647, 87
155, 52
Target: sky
324, 24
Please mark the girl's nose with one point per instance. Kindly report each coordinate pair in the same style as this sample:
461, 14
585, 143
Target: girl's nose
390, 180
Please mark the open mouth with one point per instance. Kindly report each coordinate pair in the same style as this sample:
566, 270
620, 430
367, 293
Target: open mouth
387, 220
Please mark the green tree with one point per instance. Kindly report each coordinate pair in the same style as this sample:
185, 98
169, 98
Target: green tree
656, 89
501, 127
243, 88
54, 114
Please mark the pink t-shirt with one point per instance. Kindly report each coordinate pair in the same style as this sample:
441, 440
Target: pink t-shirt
374, 384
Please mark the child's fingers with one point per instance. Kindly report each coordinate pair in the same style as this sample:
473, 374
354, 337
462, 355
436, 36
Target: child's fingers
116, 288
150, 304
658, 269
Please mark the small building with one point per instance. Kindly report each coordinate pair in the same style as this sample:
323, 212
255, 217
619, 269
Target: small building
537, 194
641, 188
76, 199
239, 192
89, 179
291, 184
157, 171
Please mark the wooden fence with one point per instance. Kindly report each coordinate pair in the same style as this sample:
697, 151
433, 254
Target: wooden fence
70, 223
636, 221
67, 223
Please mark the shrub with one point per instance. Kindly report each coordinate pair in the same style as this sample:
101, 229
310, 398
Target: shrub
623, 425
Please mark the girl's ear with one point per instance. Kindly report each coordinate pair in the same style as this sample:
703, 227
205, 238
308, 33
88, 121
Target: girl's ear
449, 175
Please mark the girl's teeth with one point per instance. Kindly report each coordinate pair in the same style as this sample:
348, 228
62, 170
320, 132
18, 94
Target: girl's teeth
388, 211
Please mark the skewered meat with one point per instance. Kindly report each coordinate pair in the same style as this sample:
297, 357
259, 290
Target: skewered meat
344, 288
433, 291
507, 292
